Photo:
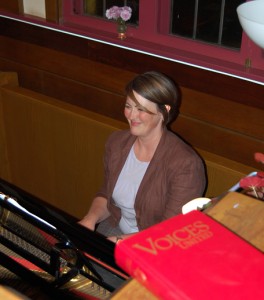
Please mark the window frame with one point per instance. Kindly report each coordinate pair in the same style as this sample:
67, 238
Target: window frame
151, 36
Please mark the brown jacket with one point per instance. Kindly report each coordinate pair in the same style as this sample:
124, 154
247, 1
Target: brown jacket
174, 176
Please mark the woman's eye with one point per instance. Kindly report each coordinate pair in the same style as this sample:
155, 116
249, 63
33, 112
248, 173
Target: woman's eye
140, 108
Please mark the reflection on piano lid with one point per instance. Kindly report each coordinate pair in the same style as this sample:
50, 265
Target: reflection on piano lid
48, 248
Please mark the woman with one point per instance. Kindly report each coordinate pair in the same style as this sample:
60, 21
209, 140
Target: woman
150, 173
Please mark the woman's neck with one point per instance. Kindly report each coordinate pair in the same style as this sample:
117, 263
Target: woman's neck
145, 147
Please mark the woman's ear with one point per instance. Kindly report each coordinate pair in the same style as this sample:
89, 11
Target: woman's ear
167, 107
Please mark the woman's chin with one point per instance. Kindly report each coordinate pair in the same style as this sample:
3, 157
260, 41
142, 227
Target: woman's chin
134, 131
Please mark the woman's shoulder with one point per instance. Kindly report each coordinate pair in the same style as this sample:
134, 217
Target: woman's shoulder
119, 138
178, 145
119, 135
172, 138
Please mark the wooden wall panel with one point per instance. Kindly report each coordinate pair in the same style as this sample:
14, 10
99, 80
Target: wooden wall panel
68, 90
218, 140
224, 113
87, 96
65, 65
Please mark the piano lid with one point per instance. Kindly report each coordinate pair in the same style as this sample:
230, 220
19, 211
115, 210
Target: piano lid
54, 244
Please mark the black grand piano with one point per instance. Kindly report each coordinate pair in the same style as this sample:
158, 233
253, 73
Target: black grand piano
46, 254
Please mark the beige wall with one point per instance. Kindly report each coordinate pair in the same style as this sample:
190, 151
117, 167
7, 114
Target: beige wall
35, 8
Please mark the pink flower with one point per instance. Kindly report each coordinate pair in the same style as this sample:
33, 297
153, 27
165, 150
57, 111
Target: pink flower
254, 185
116, 12
126, 13
260, 174
259, 157
251, 182
113, 12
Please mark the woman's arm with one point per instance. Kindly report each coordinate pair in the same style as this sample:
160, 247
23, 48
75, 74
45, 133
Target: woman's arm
97, 213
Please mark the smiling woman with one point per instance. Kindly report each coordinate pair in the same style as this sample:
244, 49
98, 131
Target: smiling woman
150, 173
144, 120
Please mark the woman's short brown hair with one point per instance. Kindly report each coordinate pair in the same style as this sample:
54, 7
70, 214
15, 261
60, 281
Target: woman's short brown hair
158, 88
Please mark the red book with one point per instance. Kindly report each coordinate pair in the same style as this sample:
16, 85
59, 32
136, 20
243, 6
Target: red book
192, 257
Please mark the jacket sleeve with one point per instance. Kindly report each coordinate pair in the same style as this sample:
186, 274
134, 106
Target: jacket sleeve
186, 181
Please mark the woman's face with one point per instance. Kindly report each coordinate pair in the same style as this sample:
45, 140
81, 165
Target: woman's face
141, 122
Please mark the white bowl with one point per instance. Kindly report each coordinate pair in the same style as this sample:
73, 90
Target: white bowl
251, 18
195, 204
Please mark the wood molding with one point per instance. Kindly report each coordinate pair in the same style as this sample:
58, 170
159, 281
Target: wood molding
11, 6
53, 10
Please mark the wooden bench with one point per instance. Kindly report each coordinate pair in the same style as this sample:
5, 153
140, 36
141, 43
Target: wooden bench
54, 150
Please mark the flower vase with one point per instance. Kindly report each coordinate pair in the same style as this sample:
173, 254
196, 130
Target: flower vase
121, 29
